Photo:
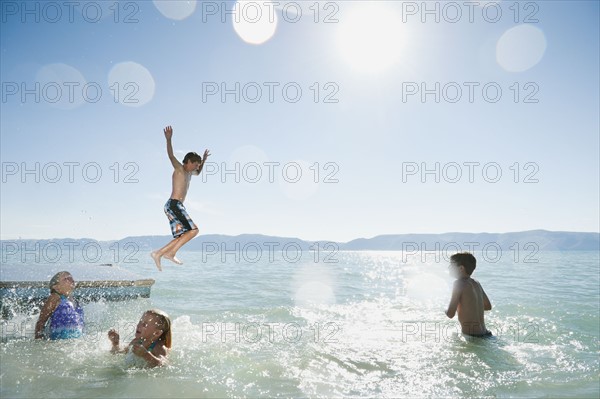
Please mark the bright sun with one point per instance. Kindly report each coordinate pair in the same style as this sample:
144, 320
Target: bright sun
370, 37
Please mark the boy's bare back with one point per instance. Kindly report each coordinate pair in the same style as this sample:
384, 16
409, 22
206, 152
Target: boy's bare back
471, 304
468, 299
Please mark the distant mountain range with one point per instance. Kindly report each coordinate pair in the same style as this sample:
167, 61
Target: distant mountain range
543, 239
540, 239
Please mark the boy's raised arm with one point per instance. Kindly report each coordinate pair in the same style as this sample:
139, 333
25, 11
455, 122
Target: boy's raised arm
206, 155
168, 135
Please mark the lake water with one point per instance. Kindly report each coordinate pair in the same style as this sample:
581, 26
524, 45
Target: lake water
350, 324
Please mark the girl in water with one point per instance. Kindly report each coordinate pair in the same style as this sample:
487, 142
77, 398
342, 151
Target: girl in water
152, 341
64, 313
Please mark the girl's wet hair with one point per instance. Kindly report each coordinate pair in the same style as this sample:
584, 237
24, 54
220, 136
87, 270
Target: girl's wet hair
55, 280
165, 325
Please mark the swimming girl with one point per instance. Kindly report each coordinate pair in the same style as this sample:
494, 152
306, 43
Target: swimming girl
152, 341
64, 313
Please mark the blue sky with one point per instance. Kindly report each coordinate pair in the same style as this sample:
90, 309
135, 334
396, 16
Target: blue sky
369, 135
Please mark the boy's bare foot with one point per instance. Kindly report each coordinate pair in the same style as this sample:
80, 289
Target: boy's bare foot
173, 259
156, 258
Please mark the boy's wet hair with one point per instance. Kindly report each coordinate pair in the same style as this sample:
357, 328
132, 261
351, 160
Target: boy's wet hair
165, 325
55, 279
465, 259
192, 157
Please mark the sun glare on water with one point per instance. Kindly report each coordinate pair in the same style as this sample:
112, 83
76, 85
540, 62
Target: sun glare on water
427, 286
370, 37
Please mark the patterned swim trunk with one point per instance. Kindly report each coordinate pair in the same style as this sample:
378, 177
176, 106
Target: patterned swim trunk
179, 219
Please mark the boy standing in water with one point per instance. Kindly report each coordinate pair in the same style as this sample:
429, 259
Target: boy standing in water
182, 226
468, 297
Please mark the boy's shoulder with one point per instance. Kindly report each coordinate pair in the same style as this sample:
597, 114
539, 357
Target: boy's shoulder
460, 283
470, 282
476, 282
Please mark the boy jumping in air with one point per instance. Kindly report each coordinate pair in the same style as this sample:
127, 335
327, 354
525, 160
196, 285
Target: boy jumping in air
182, 226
